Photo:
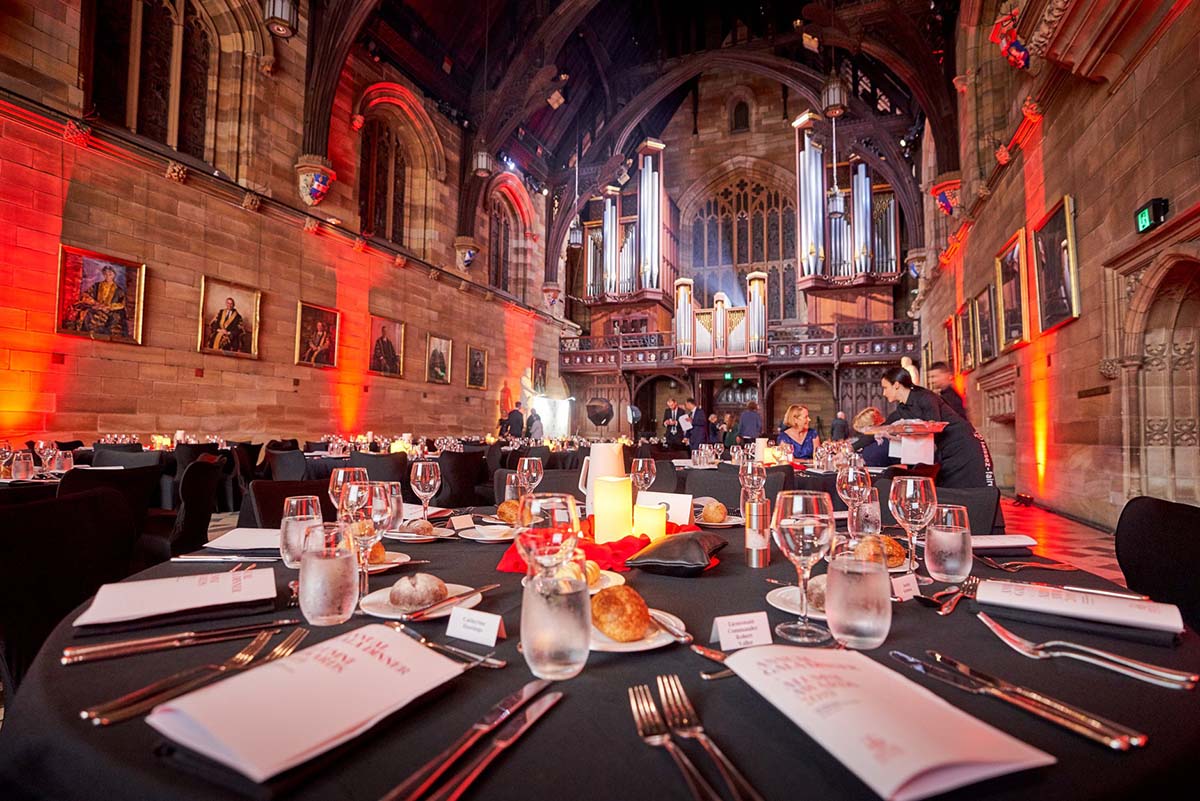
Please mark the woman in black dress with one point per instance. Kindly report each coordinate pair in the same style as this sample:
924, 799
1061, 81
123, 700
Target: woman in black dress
961, 452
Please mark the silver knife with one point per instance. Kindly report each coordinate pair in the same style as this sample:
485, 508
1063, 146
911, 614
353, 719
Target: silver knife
459, 782
1132, 596
1136, 738
421, 614
710, 653
964, 682
230, 558
76, 654
415, 785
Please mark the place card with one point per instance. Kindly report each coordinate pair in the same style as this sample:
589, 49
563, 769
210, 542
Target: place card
247, 539
264, 721
679, 506
475, 626
905, 586
741, 631
900, 739
460, 522
412, 511
1081, 605
133, 600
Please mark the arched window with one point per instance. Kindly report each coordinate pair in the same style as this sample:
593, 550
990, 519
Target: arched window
502, 239
740, 120
381, 182
153, 71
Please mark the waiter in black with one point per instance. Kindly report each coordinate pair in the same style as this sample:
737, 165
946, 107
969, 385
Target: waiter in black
941, 381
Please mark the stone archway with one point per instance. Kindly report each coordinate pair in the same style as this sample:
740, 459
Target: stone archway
805, 387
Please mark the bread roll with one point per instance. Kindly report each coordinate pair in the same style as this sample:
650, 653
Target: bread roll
593, 573
509, 511
417, 592
893, 551
816, 593
620, 613
714, 512
420, 527
378, 554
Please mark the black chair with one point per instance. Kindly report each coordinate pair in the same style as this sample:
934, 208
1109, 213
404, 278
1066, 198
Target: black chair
541, 452
283, 445
185, 454
137, 485
127, 459
982, 504
187, 529
1158, 548
484, 492
313, 447
95, 529
382, 466
123, 447
265, 507
924, 470
564, 481
244, 471
17, 493
253, 450
287, 465
666, 478
460, 474
723, 484
68, 445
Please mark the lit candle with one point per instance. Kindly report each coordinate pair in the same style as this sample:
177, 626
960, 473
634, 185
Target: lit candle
651, 521
760, 449
614, 508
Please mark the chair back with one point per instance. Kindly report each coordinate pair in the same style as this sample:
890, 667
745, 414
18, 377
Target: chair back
1158, 548
666, 478
313, 447
253, 449
382, 466
108, 458
186, 453
123, 447
492, 458
720, 484
283, 445
68, 445
541, 452
95, 528
564, 481
197, 502
287, 465
267, 497
460, 474
982, 504
137, 485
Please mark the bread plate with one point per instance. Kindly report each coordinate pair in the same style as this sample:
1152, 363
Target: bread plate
787, 599
608, 578
733, 521
391, 559
655, 637
406, 536
489, 533
378, 603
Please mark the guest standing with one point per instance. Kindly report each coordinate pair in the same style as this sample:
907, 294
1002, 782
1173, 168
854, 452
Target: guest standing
750, 425
796, 432
514, 426
673, 431
731, 429
941, 381
533, 426
840, 429
698, 435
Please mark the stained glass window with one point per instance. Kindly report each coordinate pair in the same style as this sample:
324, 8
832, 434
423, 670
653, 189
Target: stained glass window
501, 261
154, 75
193, 85
381, 182
741, 117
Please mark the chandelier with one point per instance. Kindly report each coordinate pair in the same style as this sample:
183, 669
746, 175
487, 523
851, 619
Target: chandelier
835, 97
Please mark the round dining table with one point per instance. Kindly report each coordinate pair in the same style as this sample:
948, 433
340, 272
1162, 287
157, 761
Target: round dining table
587, 746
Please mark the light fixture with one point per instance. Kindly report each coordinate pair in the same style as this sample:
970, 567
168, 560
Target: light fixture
483, 163
834, 99
281, 17
575, 235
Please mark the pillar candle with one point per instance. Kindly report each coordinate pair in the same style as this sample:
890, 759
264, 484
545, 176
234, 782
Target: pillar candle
651, 521
613, 504
760, 449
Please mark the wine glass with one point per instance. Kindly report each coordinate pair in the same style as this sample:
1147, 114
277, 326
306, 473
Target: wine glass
529, 469
719, 448
6, 453
45, 451
341, 476
753, 476
948, 544
426, 481
642, 471
912, 500
803, 529
853, 485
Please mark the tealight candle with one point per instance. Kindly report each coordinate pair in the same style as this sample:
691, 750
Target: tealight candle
651, 521
613, 504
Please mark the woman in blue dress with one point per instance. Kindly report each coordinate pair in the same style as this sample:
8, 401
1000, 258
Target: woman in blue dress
797, 433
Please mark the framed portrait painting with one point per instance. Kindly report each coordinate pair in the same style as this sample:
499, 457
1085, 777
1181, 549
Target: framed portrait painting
1056, 267
965, 334
99, 297
949, 351
387, 347
438, 351
926, 360
1011, 300
317, 329
537, 374
477, 364
985, 325
228, 318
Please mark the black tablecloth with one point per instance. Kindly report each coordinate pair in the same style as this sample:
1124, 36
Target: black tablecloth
586, 748
316, 467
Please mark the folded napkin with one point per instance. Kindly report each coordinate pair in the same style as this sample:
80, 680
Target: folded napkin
247, 539
1000, 544
681, 555
1145, 636
610, 555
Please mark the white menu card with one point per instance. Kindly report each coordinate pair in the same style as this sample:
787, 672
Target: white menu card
132, 600
982, 542
1082, 605
900, 739
274, 717
246, 539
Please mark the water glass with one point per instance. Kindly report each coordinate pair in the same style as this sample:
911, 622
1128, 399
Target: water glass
948, 544
512, 487
529, 469
803, 529
300, 514
426, 478
328, 577
912, 500
22, 466
858, 603
64, 461
556, 609
343, 475
866, 519
554, 515
642, 471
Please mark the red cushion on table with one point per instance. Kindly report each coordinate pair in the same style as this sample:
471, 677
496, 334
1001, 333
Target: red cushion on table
609, 555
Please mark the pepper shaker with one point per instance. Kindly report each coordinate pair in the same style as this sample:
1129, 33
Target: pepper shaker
757, 512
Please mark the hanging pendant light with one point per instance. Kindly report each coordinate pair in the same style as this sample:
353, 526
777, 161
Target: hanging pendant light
281, 17
575, 235
835, 97
482, 162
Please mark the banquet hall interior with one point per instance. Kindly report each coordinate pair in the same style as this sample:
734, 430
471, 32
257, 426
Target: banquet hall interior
390, 339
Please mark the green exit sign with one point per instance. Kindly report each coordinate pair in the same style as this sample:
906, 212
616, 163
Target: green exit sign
729, 376
1151, 215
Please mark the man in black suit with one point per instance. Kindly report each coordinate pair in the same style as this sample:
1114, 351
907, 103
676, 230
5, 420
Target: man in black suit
941, 381
514, 426
698, 434
674, 433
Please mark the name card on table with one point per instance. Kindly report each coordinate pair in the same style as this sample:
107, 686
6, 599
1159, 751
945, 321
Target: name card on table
905, 586
460, 522
247, 539
412, 511
475, 626
679, 506
900, 739
132, 600
1081, 605
264, 721
741, 631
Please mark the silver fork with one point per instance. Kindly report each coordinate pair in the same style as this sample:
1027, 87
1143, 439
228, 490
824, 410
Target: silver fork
968, 590
1017, 567
285, 648
683, 720
653, 731
1143, 671
241, 657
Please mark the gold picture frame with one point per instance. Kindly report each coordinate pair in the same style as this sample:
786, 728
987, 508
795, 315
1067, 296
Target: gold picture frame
386, 355
317, 332
985, 325
477, 367
1012, 299
87, 282
224, 334
439, 359
949, 346
964, 321
1056, 266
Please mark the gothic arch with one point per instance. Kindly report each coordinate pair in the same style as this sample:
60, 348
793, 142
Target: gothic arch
1138, 312
744, 165
799, 370
510, 187
423, 136
736, 95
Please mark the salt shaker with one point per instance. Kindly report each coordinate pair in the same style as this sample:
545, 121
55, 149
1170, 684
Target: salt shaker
757, 512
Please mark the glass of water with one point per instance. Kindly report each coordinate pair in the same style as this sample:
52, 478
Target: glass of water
556, 608
300, 513
948, 544
858, 605
865, 518
22, 466
328, 577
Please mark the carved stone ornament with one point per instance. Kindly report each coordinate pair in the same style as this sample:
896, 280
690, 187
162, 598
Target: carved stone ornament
464, 285
434, 275
963, 82
1003, 155
1110, 368
176, 172
311, 225
251, 201
360, 244
76, 133
400, 261
1047, 26
314, 175
1031, 109
357, 121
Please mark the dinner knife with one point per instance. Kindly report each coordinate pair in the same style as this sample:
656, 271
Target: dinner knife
415, 785
1109, 739
459, 782
710, 653
421, 614
1136, 738
77, 654
1088, 590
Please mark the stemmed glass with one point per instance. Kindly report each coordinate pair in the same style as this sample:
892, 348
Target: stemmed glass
339, 477
529, 470
912, 500
853, 487
360, 499
426, 481
803, 528
642, 471
718, 448
46, 451
753, 477
6, 453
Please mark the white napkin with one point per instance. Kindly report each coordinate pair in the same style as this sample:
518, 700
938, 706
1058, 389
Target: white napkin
982, 542
412, 511
274, 717
904, 742
247, 539
132, 600
1082, 605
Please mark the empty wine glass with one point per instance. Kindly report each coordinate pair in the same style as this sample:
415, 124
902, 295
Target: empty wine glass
426, 481
45, 451
948, 544
642, 471
803, 529
853, 485
529, 469
341, 476
718, 448
912, 500
753, 476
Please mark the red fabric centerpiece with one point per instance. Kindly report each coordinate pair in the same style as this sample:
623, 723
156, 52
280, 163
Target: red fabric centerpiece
610, 555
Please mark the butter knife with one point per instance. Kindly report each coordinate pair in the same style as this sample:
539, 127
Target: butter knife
459, 782
77, 654
415, 785
421, 614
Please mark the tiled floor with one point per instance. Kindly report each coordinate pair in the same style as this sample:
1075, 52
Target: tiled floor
1065, 540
